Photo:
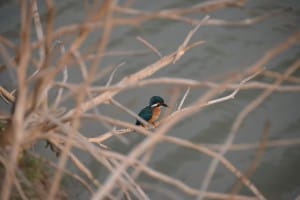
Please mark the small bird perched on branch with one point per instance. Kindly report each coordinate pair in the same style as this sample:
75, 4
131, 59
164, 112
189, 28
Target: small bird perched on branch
151, 112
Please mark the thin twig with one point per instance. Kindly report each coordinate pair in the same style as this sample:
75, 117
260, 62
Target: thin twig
250, 146
259, 152
183, 98
65, 76
180, 50
113, 73
150, 46
20, 108
39, 31
133, 114
242, 115
6, 95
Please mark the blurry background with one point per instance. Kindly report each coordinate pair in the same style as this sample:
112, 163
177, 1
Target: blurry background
227, 49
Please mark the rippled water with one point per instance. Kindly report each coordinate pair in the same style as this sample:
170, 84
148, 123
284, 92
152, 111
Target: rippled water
227, 49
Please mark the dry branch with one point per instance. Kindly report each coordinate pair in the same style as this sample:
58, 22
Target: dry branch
256, 102
34, 118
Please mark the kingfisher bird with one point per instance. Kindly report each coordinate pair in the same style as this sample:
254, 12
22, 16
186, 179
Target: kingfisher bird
151, 112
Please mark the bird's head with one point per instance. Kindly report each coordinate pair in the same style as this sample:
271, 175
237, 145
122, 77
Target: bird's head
157, 101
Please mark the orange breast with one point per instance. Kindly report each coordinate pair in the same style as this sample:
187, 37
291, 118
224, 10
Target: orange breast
155, 114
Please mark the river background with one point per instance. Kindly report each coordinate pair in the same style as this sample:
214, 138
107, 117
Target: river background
226, 49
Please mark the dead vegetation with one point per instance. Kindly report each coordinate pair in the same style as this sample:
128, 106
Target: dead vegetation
36, 118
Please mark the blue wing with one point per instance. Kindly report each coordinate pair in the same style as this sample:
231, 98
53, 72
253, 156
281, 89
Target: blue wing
145, 114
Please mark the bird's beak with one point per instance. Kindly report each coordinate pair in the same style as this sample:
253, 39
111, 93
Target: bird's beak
165, 105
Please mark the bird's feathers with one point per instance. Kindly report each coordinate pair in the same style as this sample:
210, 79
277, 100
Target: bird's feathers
146, 114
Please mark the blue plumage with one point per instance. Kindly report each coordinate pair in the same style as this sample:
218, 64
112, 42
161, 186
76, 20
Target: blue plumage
151, 112
146, 114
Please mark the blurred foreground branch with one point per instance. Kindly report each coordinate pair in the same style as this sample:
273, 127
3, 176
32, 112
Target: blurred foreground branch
39, 111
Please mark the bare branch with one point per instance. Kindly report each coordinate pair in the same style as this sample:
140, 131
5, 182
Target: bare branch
183, 98
65, 76
113, 73
150, 46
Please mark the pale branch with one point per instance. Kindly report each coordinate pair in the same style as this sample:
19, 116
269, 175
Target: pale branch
18, 116
183, 98
273, 74
211, 102
20, 189
134, 78
39, 31
183, 46
250, 146
194, 84
67, 172
257, 158
9, 63
27, 126
238, 121
64, 79
175, 182
113, 73
141, 16
152, 139
150, 46
7, 43
133, 114
76, 162
132, 186
93, 24
6, 96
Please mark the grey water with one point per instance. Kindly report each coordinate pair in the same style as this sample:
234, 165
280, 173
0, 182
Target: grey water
227, 49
